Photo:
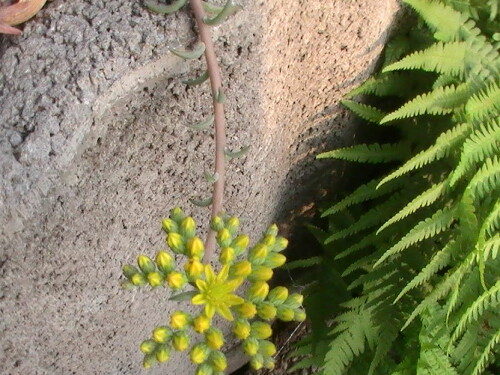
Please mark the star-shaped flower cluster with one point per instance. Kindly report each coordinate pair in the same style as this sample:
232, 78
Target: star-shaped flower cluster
251, 312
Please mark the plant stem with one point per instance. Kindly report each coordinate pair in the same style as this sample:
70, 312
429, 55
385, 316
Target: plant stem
219, 123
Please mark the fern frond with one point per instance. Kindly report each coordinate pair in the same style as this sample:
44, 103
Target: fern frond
371, 218
427, 228
482, 143
360, 263
387, 333
489, 300
362, 194
443, 58
425, 199
445, 21
450, 280
440, 101
443, 145
488, 354
486, 180
303, 263
439, 261
374, 153
367, 112
392, 84
484, 104
347, 345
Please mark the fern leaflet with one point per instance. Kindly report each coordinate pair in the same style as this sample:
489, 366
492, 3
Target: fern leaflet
489, 300
484, 104
373, 153
425, 199
486, 180
440, 101
382, 85
444, 58
444, 20
482, 143
444, 144
439, 261
427, 228
365, 111
362, 194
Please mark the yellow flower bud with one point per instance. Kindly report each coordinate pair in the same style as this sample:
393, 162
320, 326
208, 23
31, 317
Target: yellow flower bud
204, 369
257, 362
258, 291
201, 323
269, 241
240, 243
281, 244
180, 341
179, 319
246, 310
272, 230
149, 360
176, 280
294, 301
163, 353
194, 269
224, 237
250, 346
261, 330
267, 348
266, 310
155, 279
145, 264
198, 353
278, 295
138, 279
148, 346
260, 273
164, 261
275, 260
299, 315
161, 334
217, 223
188, 227
258, 254
241, 269
129, 271
168, 225
218, 361
195, 248
269, 363
241, 329
177, 214
233, 224
176, 243
226, 255
285, 314
214, 338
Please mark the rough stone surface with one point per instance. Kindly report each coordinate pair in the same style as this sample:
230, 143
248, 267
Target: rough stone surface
94, 151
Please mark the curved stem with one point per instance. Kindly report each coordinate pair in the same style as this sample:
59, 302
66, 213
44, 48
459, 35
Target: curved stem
220, 135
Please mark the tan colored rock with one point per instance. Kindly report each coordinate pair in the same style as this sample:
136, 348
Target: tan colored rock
94, 151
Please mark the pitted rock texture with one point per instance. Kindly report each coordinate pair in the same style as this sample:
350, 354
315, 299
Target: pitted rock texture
94, 151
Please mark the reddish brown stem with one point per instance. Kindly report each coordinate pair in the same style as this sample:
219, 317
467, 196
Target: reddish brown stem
219, 123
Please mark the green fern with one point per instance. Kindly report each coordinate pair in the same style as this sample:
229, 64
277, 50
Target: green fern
483, 142
444, 144
417, 247
444, 58
364, 111
373, 153
440, 101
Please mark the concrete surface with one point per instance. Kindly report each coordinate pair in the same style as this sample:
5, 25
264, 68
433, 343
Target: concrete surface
94, 151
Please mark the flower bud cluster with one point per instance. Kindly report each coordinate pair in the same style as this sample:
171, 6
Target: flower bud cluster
251, 315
